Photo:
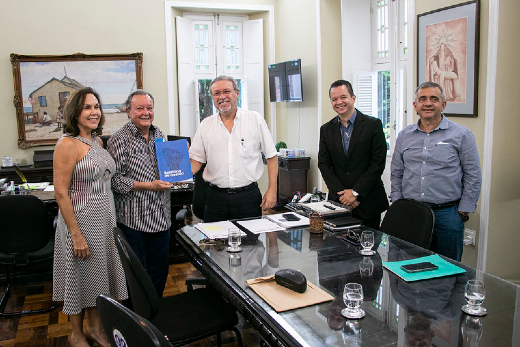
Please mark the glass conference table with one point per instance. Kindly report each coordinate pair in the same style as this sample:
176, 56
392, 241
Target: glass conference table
398, 313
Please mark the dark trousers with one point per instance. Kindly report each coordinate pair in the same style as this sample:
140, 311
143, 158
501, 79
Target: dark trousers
220, 205
448, 233
372, 222
152, 249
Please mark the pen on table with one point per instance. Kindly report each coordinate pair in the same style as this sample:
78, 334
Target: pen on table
242, 141
329, 207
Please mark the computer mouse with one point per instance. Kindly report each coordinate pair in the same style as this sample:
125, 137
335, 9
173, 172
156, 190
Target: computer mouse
291, 279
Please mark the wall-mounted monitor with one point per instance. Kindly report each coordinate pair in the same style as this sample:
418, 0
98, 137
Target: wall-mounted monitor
285, 81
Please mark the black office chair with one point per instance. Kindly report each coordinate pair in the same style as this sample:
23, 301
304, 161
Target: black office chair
199, 193
26, 237
104, 139
410, 221
126, 328
183, 318
198, 200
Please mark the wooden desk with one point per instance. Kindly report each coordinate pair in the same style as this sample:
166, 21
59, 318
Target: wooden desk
32, 174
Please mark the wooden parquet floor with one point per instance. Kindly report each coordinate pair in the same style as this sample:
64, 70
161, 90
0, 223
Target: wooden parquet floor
52, 329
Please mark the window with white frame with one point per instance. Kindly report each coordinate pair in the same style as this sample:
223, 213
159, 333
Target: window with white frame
232, 47
202, 46
381, 9
381, 92
210, 45
403, 22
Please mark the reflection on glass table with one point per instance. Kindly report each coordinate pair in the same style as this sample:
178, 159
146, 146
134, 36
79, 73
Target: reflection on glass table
397, 312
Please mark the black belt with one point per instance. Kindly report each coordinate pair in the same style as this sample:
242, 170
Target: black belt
441, 206
234, 190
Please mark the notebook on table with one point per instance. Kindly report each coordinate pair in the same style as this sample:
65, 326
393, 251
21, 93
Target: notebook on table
343, 221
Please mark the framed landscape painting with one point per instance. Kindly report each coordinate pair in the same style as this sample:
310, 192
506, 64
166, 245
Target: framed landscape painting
448, 50
42, 84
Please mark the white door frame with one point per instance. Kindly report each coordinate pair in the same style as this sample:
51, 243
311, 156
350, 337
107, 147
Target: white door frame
170, 69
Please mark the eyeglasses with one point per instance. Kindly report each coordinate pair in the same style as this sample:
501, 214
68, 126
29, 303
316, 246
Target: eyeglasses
219, 244
211, 242
351, 234
226, 92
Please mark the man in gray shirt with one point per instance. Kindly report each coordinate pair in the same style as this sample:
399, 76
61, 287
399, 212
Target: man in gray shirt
436, 162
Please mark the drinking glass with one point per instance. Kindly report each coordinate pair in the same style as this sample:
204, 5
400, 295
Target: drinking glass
234, 240
352, 333
472, 330
367, 241
235, 260
353, 297
366, 267
475, 293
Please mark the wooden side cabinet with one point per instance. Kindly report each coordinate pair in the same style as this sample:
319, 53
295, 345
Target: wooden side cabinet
293, 176
31, 173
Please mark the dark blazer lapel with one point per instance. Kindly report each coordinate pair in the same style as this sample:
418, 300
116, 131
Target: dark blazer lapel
356, 133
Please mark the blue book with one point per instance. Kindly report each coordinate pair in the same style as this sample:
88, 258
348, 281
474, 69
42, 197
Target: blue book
173, 160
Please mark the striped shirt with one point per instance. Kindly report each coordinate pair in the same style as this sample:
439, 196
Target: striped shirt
146, 211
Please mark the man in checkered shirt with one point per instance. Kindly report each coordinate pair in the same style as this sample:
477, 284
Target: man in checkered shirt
142, 200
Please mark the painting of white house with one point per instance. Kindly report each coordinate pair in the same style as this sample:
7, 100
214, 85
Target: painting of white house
46, 86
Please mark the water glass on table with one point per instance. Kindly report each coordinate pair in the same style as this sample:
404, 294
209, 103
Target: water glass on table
353, 297
367, 242
234, 240
475, 293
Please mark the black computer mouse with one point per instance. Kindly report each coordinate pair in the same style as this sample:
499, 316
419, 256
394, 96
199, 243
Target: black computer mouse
291, 279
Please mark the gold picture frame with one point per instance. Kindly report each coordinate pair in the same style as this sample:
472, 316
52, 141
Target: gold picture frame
42, 84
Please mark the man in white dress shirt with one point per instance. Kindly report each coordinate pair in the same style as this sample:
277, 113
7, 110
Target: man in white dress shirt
231, 143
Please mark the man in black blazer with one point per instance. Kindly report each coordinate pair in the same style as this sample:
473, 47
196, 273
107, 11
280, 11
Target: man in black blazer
352, 157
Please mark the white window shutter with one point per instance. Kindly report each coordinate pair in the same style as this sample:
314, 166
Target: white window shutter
188, 120
365, 89
254, 65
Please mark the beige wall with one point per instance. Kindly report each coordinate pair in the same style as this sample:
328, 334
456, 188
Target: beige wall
64, 27
298, 123
503, 237
331, 56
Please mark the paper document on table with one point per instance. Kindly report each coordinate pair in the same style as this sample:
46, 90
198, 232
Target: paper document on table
216, 230
325, 207
38, 186
259, 225
444, 268
283, 299
282, 221
49, 188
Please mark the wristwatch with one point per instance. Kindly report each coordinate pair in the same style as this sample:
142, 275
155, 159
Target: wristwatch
356, 194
